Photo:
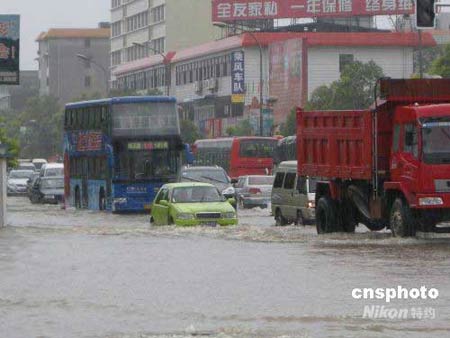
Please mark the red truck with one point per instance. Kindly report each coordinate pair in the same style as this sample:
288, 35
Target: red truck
388, 166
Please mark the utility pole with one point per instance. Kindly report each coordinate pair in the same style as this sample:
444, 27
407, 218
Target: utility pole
3, 161
420, 54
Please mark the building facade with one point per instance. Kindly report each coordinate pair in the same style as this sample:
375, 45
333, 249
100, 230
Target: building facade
204, 78
141, 28
73, 62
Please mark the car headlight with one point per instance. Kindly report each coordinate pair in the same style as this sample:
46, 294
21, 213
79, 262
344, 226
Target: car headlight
228, 215
311, 204
425, 201
228, 191
185, 216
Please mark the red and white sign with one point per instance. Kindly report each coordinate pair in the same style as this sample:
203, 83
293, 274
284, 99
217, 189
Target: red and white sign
235, 10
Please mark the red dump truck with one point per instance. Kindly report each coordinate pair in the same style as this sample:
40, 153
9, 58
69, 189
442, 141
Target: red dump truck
388, 166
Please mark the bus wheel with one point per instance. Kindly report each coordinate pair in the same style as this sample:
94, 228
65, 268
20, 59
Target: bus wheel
325, 216
77, 198
279, 219
102, 200
401, 220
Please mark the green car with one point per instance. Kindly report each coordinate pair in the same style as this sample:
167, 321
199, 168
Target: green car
188, 204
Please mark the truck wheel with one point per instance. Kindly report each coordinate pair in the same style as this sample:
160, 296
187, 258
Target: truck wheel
348, 219
401, 220
325, 216
279, 219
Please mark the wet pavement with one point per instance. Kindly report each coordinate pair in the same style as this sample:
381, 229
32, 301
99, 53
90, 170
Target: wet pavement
68, 273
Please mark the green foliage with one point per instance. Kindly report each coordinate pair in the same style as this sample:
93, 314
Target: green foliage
243, 129
441, 65
41, 123
354, 90
189, 131
13, 144
290, 126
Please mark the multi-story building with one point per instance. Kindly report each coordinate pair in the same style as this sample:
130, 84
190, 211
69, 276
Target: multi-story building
203, 78
73, 62
140, 28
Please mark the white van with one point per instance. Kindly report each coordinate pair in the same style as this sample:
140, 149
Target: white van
293, 196
52, 170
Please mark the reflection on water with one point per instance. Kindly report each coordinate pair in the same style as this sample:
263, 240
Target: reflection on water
86, 274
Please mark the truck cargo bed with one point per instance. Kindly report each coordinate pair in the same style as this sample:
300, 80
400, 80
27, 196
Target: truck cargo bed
335, 144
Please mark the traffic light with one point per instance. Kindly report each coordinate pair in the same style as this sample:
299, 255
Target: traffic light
425, 14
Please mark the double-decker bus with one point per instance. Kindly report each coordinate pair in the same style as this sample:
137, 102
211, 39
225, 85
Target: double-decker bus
239, 156
286, 150
118, 152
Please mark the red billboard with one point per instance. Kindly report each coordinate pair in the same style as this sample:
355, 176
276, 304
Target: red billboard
238, 10
285, 79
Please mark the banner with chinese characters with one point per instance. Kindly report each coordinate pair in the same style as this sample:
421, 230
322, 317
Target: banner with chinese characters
237, 77
236, 10
9, 49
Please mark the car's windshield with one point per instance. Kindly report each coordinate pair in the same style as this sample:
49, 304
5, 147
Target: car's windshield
260, 180
21, 174
54, 172
196, 194
200, 175
436, 141
54, 183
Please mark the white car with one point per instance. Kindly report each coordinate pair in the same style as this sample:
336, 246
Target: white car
17, 182
38, 163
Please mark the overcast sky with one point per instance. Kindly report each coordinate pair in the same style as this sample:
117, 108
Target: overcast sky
40, 15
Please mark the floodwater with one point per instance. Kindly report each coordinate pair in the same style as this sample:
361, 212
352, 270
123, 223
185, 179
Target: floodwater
88, 274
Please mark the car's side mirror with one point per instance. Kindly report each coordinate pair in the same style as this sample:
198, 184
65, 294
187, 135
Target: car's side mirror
232, 201
164, 203
234, 181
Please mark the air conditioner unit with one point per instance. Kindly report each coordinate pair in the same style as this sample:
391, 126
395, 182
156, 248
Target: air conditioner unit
213, 85
198, 86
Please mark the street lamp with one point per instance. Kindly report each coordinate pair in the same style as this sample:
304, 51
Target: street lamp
261, 79
103, 69
166, 63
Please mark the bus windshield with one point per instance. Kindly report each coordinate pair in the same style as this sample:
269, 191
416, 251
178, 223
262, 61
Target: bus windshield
257, 148
141, 119
147, 164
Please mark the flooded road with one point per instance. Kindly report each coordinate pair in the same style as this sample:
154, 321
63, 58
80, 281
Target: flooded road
87, 274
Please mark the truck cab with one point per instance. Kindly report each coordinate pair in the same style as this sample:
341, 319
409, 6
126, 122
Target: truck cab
420, 161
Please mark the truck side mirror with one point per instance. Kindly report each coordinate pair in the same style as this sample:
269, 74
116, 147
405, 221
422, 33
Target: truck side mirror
409, 139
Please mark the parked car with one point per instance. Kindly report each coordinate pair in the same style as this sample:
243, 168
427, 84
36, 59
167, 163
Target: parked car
293, 196
254, 190
26, 166
188, 204
52, 170
38, 163
17, 182
48, 190
214, 175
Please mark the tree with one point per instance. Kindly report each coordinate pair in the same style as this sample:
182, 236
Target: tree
290, 126
13, 144
441, 65
133, 92
243, 129
189, 131
354, 89
42, 127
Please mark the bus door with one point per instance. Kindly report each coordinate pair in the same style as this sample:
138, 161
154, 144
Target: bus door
84, 183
